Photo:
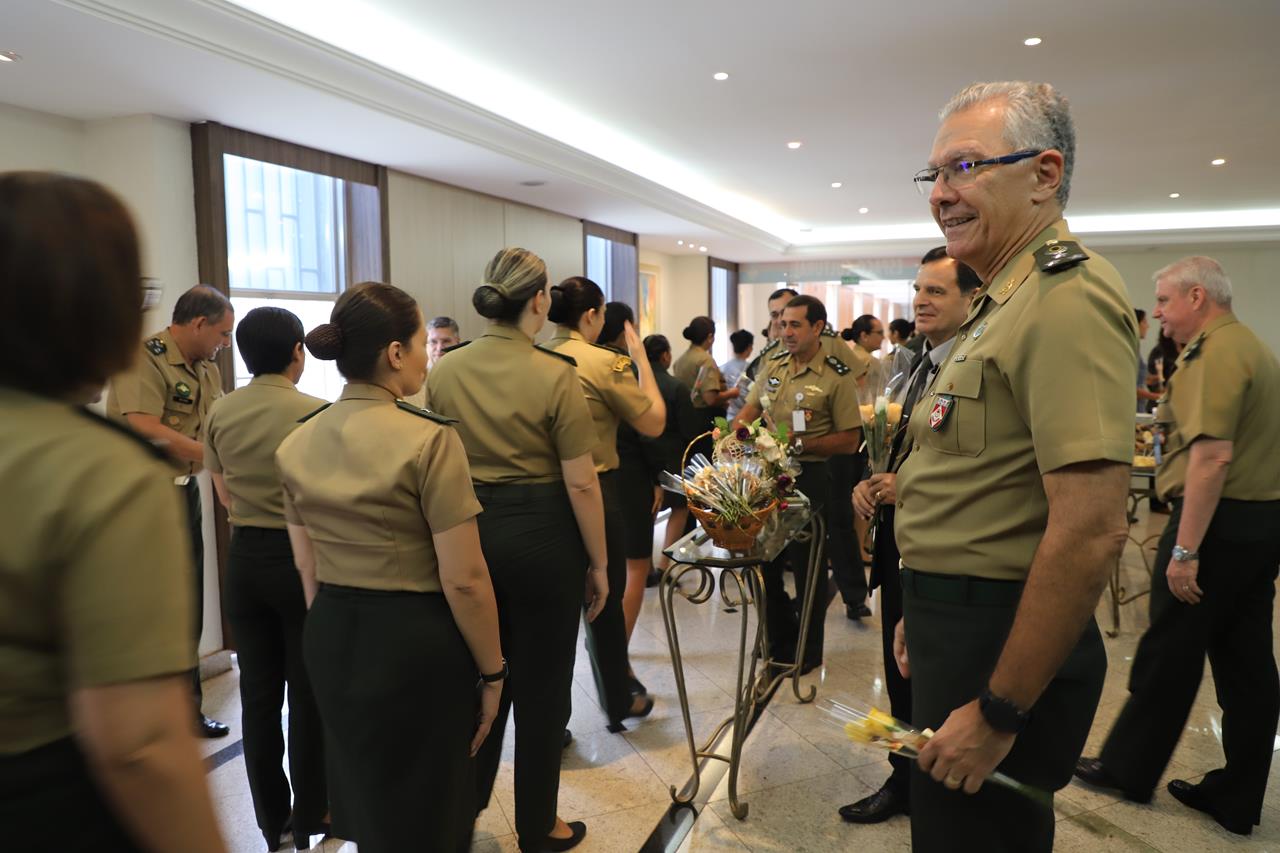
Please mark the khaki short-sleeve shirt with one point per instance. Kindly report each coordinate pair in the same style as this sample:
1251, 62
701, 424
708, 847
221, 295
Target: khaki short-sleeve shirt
699, 371
240, 440
1227, 387
95, 578
824, 393
161, 383
520, 408
371, 481
612, 391
1040, 377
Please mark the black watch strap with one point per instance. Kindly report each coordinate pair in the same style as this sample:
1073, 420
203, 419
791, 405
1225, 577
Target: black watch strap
1001, 714
496, 676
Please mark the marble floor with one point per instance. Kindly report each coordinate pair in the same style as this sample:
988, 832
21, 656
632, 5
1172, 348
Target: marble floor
797, 769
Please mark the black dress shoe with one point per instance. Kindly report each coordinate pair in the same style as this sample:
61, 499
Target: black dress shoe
880, 806
208, 728
1191, 795
568, 739
856, 611
636, 688
1091, 771
579, 830
652, 579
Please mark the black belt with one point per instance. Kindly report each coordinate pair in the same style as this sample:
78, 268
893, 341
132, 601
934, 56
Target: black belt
520, 491
960, 589
259, 532
378, 593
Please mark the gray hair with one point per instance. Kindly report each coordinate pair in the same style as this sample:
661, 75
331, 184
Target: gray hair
444, 323
201, 301
1035, 117
1200, 270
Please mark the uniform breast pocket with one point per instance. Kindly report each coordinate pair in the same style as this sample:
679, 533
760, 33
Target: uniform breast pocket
177, 412
963, 430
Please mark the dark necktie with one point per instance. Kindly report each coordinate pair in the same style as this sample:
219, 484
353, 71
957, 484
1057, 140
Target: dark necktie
922, 369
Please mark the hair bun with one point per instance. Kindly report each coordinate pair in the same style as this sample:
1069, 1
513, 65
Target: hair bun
688, 333
847, 334
325, 341
489, 301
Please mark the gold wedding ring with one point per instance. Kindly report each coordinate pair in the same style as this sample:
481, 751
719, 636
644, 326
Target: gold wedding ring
952, 782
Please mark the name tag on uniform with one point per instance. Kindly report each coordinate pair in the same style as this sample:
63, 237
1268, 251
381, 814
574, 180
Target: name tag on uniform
797, 420
941, 409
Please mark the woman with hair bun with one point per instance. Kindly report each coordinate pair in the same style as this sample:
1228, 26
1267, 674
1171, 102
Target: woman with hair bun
613, 396
529, 435
698, 370
402, 633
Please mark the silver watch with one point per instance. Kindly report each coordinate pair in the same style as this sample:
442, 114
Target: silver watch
1182, 555
798, 445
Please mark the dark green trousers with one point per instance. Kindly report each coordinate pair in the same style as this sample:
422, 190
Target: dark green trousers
1232, 626
953, 646
781, 611
195, 530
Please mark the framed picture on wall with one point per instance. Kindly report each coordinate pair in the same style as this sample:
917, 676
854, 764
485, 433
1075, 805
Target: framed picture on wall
647, 300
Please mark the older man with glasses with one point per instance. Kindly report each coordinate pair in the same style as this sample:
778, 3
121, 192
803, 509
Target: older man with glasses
1011, 505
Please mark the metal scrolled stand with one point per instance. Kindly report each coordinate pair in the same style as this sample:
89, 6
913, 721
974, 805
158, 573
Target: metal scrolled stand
741, 586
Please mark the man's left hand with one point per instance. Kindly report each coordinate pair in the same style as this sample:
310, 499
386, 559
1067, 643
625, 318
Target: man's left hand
964, 752
1182, 580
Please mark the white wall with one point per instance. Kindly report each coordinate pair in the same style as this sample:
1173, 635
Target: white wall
683, 293
442, 237
1254, 270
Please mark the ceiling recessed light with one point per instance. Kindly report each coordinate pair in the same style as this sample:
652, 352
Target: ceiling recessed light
9, 56
1217, 162
720, 75
1031, 42
533, 183
835, 185
794, 145
679, 242
702, 248
1175, 195
864, 210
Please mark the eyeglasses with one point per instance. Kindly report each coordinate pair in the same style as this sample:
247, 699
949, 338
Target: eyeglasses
962, 173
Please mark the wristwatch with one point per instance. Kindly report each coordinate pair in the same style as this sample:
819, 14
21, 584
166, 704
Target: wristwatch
1182, 555
1001, 714
798, 445
496, 676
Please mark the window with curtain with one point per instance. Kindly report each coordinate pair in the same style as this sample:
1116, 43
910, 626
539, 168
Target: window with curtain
612, 261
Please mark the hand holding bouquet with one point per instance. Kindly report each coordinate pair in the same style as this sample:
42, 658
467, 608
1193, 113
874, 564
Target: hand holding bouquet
880, 399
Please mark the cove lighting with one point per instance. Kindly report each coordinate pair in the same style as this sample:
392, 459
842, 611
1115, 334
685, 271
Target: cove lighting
1032, 42
1217, 162
720, 75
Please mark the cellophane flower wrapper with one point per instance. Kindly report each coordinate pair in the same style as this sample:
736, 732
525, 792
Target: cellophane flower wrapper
864, 724
880, 398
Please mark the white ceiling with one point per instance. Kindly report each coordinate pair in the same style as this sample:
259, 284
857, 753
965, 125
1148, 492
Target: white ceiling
613, 105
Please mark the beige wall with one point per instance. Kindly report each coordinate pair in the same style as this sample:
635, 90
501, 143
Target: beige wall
1254, 270
442, 237
683, 292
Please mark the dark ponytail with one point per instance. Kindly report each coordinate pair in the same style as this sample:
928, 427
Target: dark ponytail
572, 298
364, 322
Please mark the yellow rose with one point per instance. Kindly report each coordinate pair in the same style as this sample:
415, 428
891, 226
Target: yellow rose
894, 412
868, 412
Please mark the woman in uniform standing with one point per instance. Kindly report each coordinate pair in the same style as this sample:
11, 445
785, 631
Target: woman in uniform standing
683, 424
528, 434
613, 395
97, 751
698, 370
263, 596
403, 628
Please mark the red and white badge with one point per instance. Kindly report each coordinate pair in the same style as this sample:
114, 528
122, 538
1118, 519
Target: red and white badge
941, 409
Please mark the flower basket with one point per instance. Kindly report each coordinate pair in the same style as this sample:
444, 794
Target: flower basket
738, 534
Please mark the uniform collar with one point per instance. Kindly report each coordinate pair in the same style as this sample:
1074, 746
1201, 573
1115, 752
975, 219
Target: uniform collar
564, 333
366, 391
817, 364
1006, 283
1193, 346
507, 332
172, 352
937, 355
273, 380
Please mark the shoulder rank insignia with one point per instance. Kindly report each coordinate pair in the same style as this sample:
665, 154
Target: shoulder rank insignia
155, 346
829, 332
1192, 349
309, 415
781, 353
620, 363
423, 413
560, 355
1057, 255
837, 365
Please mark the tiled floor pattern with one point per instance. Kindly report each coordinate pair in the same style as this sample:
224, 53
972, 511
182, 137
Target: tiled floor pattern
797, 769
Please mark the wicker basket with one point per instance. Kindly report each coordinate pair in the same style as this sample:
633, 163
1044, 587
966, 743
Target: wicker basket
739, 536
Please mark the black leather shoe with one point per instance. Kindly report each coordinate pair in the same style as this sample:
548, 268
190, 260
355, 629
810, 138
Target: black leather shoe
579, 830
1091, 771
568, 739
878, 807
209, 728
1191, 795
652, 579
856, 612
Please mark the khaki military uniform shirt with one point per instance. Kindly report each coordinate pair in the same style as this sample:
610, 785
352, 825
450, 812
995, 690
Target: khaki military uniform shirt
612, 391
698, 370
1040, 377
1227, 387
95, 572
240, 440
161, 383
822, 397
372, 482
520, 408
